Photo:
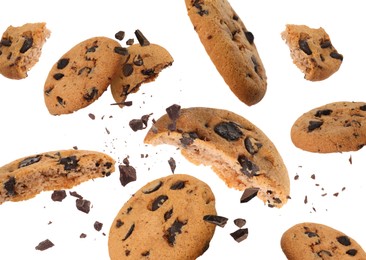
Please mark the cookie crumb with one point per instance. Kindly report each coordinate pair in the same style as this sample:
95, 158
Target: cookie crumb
44, 245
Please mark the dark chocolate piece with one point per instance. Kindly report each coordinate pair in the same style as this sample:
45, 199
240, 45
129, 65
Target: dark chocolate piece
248, 194
69, 163
344, 240
252, 145
83, 205
62, 63
173, 231
324, 112
153, 188
314, 125
120, 35
121, 50
173, 112
27, 44
29, 161
248, 167
9, 186
249, 36
98, 226
351, 252
228, 130
178, 185
217, 220
168, 214
129, 232
172, 164
158, 202
240, 222
240, 234
127, 174
141, 38
58, 195
44, 245
304, 46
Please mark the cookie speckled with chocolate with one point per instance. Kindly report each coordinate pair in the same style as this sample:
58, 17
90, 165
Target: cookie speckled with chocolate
230, 47
21, 48
314, 241
334, 127
26, 177
144, 63
238, 151
82, 75
312, 51
164, 219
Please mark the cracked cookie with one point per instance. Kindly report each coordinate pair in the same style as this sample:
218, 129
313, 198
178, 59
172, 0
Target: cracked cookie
318, 241
21, 48
334, 127
26, 177
230, 47
164, 219
237, 151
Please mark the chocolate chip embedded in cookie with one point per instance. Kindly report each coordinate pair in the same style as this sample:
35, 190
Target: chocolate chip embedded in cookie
143, 65
318, 241
21, 48
230, 47
82, 75
312, 51
164, 219
334, 127
238, 151
26, 177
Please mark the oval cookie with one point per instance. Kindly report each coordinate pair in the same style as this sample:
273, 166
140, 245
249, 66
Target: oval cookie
313, 241
144, 63
334, 127
81, 75
230, 47
164, 220
238, 151
26, 177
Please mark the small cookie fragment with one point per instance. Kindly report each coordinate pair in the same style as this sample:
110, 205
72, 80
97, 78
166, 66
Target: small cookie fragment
330, 128
237, 151
164, 220
143, 65
21, 48
230, 47
26, 177
82, 75
312, 51
318, 241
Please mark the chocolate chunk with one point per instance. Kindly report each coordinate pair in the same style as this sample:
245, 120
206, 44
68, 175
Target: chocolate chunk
6, 42
240, 234
248, 167
83, 205
172, 164
141, 38
240, 222
127, 69
173, 112
127, 174
325, 44
62, 63
173, 231
363, 108
130, 41
314, 125
178, 185
60, 100
30, 160
69, 163
27, 44
82, 235
75, 194
311, 234
248, 194
138, 61
129, 232
336, 55
154, 187
98, 226
58, 76
249, 36
228, 130
119, 223
351, 252
324, 112
145, 254
121, 50
217, 220
136, 124
9, 186
58, 195
44, 245
148, 72
92, 93
344, 240
252, 145
120, 35
186, 139
304, 46
168, 214
158, 202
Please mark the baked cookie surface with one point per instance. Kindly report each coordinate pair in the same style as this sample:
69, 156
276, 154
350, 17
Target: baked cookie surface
26, 177
21, 48
238, 151
143, 65
81, 75
230, 47
334, 127
313, 241
312, 51
164, 220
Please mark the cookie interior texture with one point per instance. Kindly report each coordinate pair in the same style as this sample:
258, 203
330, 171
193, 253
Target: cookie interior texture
164, 219
21, 48
236, 150
26, 177
318, 241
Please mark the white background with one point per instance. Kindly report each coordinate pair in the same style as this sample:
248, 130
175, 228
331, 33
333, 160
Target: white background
27, 128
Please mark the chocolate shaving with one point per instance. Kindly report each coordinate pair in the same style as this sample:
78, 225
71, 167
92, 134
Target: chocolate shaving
240, 234
217, 220
44, 245
249, 194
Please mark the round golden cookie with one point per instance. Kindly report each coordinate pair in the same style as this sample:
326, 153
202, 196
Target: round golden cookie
26, 177
237, 151
82, 75
143, 65
313, 241
164, 220
21, 48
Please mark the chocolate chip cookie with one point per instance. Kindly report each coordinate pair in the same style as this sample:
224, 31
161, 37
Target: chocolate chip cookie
312, 51
26, 177
318, 241
21, 48
230, 47
238, 151
164, 220
334, 127
82, 75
